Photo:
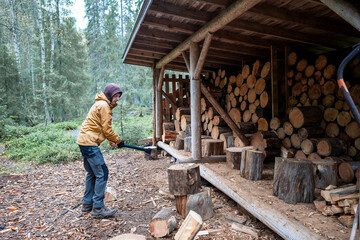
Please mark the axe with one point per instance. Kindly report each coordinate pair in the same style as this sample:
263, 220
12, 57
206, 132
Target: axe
150, 153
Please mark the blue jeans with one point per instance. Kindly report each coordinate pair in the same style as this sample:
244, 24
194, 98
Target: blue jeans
97, 176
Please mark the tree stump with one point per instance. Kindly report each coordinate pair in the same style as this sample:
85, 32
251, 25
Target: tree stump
184, 179
325, 173
233, 156
201, 203
163, 223
294, 180
179, 142
212, 147
251, 164
187, 144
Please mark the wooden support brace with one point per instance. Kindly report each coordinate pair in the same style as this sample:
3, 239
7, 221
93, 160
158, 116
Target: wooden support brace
169, 99
202, 56
224, 115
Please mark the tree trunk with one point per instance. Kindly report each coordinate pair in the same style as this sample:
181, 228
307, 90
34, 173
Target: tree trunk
184, 179
294, 180
233, 156
305, 116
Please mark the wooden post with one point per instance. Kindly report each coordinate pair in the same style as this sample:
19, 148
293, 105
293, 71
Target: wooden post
287, 51
195, 103
346, 10
274, 83
159, 106
154, 104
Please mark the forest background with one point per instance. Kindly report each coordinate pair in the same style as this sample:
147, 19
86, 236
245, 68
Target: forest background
50, 72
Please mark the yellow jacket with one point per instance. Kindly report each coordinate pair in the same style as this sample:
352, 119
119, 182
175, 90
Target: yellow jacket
97, 125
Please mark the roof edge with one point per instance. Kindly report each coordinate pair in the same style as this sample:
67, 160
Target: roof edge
145, 6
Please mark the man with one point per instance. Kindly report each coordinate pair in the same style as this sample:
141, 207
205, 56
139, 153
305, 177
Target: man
94, 130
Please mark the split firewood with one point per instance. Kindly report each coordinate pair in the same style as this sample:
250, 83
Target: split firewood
190, 227
163, 223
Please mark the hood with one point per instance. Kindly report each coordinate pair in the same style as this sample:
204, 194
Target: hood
102, 97
110, 90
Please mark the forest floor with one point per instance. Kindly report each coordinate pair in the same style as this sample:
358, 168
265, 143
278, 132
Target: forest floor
44, 202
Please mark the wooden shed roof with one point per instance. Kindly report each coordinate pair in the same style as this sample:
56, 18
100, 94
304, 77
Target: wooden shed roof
162, 25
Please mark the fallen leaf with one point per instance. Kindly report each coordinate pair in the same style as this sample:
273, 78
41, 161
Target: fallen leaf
12, 208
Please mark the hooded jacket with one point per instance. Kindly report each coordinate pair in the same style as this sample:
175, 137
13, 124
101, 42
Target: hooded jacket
97, 125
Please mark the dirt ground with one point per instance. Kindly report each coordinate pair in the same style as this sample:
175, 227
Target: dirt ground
44, 202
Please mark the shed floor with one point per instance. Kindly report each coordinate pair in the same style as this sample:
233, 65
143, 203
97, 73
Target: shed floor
256, 197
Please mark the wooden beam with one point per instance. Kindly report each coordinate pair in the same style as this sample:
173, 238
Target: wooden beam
286, 34
161, 35
345, 10
186, 60
237, 38
159, 105
225, 17
172, 10
224, 115
202, 56
239, 49
170, 26
274, 83
161, 78
286, 227
161, 44
195, 96
140, 53
303, 19
286, 54
169, 99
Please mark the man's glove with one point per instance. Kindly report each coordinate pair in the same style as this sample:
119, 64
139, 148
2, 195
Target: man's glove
121, 144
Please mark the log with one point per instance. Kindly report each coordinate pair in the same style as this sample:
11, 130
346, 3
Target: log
179, 142
169, 135
314, 92
185, 121
301, 65
331, 146
296, 89
177, 125
325, 173
288, 128
212, 147
313, 156
218, 121
260, 86
329, 71
280, 133
330, 114
309, 70
247, 127
300, 155
228, 138
275, 123
245, 71
265, 70
309, 145
346, 172
168, 126
263, 124
246, 116
181, 111
163, 223
328, 101
295, 141
235, 115
343, 118
190, 227
203, 104
305, 116
264, 99
217, 130
291, 59
251, 164
201, 203
320, 62
329, 87
243, 89
184, 179
250, 82
239, 80
310, 132
251, 95
233, 156
332, 130
264, 139
255, 68
353, 130
294, 180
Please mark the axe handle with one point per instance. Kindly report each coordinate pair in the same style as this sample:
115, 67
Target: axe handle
148, 151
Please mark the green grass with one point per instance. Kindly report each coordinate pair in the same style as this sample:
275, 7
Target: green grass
53, 143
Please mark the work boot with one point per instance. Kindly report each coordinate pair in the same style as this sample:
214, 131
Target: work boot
103, 212
86, 207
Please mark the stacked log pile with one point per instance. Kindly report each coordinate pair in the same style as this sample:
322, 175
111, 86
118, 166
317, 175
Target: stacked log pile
341, 202
320, 123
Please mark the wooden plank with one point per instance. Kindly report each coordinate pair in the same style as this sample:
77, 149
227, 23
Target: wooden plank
225, 17
181, 94
286, 227
159, 106
346, 10
173, 104
274, 83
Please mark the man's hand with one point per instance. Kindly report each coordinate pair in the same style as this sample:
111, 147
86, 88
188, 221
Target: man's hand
121, 144
113, 144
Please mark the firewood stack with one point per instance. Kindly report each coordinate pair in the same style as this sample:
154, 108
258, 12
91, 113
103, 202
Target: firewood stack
341, 202
320, 121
